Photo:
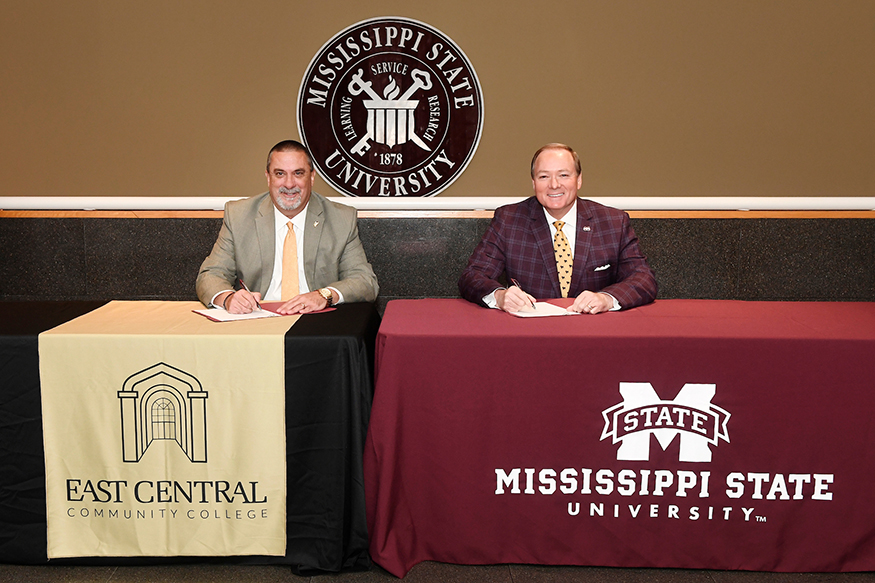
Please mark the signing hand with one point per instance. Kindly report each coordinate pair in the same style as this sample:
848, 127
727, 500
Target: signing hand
513, 299
240, 301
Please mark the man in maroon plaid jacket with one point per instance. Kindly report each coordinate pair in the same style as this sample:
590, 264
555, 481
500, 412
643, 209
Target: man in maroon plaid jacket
609, 272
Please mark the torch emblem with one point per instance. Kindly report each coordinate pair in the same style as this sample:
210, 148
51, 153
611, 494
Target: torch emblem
391, 118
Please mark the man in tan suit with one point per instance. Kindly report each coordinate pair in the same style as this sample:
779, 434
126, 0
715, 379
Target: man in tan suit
287, 233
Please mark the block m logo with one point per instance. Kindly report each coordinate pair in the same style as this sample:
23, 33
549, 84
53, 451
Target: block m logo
642, 413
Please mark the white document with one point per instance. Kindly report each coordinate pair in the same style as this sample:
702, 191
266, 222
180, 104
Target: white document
543, 309
222, 315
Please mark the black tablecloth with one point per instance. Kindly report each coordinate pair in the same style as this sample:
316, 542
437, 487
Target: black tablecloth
329, 388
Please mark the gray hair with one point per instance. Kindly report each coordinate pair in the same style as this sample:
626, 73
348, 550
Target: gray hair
290, 146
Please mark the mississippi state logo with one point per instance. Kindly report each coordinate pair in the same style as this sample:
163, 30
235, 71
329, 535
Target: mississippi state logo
691, 415
390, 107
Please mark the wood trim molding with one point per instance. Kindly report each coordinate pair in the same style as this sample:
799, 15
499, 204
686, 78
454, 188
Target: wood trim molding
752, 214
437, 214
105, 214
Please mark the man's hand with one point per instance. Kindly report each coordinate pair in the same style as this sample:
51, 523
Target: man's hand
304, 303
513, 299
239, 302
592, 303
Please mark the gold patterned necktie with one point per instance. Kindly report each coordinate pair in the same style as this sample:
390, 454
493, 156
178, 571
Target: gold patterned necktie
290, 265
564, 259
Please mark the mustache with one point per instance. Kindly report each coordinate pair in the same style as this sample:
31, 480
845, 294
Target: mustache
284, 190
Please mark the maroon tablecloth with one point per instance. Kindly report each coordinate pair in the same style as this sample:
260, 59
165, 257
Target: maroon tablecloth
685, 433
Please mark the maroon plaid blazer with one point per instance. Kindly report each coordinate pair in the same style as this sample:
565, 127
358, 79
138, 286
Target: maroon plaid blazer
518, 245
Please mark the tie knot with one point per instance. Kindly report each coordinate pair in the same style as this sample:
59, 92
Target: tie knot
558, 225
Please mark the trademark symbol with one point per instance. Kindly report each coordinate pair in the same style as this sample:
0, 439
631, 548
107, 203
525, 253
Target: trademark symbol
761, 518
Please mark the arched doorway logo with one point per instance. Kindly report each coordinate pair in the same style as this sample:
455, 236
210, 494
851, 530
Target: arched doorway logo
163, 403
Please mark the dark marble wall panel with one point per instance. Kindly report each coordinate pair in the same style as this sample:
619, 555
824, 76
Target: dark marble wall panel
807, 259
146, 259
753, 259
417, 258
693, 259
42, 259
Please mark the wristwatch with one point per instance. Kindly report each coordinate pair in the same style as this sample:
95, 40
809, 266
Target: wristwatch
326, 293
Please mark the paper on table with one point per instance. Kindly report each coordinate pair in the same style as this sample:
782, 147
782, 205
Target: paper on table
268, 310
543, 309
222, 315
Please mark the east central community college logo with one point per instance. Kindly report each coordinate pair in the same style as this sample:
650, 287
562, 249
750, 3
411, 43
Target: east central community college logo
690, 416
390, 107
163, 403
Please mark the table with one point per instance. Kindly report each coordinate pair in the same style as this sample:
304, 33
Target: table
685, 433
325, 433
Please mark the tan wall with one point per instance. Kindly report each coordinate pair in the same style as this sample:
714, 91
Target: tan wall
660, 97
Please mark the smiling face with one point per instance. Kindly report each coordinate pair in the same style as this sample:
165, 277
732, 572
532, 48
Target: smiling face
556, 181
290, 181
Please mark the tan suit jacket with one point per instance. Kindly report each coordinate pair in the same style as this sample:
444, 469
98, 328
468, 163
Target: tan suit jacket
333, 254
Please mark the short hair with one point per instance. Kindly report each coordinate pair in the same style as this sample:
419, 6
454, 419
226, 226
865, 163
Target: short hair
290, 146
557, 146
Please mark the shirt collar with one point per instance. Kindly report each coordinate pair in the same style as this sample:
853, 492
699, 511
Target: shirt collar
280, 220
570, 218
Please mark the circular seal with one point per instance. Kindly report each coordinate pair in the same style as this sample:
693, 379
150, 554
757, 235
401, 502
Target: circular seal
390, 107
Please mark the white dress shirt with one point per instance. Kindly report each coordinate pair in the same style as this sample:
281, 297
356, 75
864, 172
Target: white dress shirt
274, 290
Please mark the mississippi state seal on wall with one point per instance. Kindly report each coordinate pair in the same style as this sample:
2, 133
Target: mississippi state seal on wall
390, 107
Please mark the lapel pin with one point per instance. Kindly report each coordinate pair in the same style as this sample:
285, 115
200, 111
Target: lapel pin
587, 229
316, 224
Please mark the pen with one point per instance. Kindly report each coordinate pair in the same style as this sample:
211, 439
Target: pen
243, 285
514, 282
